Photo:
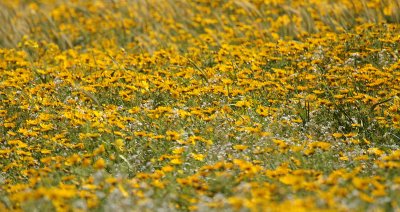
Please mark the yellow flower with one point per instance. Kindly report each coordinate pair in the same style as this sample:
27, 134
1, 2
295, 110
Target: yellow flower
18, 143
99, 150
291, 179
199, 157
366, 198
172, 135
119, 144
236, 202
240, 147
178, 150
262, 111
321, 145
45, 151
337, 135
46, 127
158, 184
167, 169
86, 162
176, 161
134, 110
375, 151
243, 103
99, 164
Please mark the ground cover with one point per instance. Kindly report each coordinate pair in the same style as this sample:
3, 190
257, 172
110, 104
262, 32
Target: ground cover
199, 105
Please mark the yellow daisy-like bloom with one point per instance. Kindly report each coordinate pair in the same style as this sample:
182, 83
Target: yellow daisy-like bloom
99, 164
240, 147
199, 157
119, 144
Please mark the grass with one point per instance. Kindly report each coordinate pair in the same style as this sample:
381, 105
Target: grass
171, 105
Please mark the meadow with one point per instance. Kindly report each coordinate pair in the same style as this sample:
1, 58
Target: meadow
200, 105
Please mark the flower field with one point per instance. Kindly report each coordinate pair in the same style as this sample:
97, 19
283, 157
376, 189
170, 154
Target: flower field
200, 105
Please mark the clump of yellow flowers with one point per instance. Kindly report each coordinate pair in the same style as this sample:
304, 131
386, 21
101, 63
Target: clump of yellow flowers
199, 105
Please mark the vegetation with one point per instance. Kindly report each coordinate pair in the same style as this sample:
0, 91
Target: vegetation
221, 105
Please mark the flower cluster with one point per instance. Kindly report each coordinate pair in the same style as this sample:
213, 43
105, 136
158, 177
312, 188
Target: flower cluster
218, 105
